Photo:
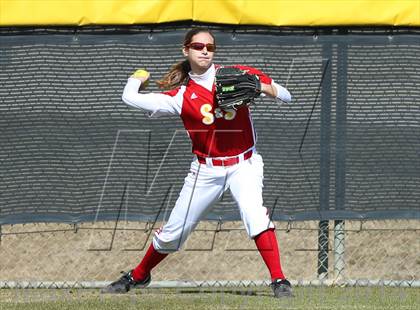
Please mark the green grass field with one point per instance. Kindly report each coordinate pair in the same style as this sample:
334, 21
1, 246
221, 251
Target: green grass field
213, 298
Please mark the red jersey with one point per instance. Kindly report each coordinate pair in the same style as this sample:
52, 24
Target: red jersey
214, 132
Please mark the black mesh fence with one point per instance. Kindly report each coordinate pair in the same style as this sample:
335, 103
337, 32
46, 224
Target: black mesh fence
347, 148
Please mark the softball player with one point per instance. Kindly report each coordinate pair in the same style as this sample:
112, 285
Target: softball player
225, 158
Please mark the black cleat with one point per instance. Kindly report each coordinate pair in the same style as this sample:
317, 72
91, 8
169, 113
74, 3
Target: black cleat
281, 288
125, 283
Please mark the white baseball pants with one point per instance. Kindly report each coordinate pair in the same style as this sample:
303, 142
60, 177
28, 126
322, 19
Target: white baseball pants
203, 187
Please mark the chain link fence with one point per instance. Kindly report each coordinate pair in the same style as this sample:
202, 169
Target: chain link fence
217, 254
346, 150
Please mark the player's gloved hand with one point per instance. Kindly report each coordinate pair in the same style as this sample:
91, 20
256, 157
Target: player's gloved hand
235, 88
143, 76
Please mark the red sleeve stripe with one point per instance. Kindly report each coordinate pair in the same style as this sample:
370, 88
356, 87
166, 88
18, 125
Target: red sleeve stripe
172, 92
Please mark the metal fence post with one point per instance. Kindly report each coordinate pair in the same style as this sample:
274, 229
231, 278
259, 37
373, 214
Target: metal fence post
323, 237
340, 155
339, 248
325, 160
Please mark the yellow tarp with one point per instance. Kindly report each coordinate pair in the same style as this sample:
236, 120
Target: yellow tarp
256, 12
309, 12
92, 12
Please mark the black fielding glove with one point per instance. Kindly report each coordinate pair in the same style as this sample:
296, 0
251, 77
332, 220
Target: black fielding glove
236, 88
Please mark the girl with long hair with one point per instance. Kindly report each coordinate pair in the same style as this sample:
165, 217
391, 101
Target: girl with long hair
223, 143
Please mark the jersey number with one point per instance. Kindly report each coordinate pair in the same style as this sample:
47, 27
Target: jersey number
208, 117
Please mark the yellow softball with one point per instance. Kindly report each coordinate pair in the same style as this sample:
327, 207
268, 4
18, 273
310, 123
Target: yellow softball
140, 73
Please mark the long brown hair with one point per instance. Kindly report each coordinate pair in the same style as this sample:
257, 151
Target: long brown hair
179, 71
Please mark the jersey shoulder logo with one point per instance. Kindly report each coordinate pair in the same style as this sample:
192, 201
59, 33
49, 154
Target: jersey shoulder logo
194, 96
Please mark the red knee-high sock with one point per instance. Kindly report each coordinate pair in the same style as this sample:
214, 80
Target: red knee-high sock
150, 260
267, 246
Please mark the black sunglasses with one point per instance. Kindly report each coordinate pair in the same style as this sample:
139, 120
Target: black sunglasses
198, 46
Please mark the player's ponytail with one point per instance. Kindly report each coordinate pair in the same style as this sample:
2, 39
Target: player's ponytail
179, 72
176, 75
